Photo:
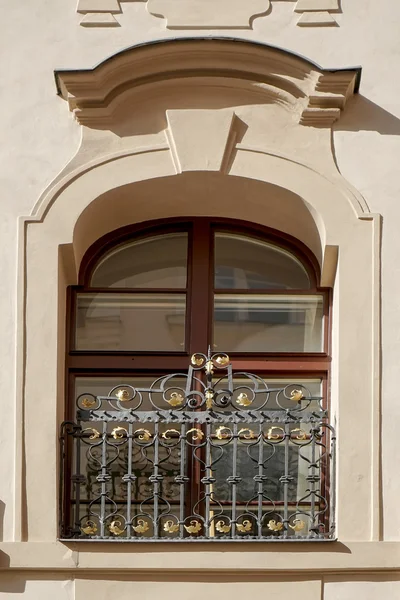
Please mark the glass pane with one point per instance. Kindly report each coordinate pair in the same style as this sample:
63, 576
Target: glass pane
268, 323
273, 454
154, 262
137, 322
248, 263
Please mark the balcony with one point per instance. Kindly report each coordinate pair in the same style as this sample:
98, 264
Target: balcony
203, 456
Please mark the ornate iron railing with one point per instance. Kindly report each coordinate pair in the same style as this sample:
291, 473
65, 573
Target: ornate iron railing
208, 455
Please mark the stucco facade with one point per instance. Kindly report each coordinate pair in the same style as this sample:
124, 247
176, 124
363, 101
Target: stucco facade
283, 114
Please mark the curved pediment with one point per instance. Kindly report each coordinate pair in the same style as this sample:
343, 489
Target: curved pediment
314, 95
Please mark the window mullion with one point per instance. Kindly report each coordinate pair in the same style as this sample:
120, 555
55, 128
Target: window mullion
200, 287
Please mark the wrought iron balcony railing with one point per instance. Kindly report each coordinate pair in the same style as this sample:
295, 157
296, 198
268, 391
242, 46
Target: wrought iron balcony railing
204, 456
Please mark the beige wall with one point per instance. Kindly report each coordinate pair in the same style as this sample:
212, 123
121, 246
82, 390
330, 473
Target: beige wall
63, 185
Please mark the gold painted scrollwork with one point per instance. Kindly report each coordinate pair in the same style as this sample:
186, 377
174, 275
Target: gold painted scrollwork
247, 433
90, 528
222, 527
167, 434
171, 527
143, 435
95, 434
301, 434
244, 527
209, 368
275, 436
197, 434
115, 528
209, 399
298, 525
142, 526
275, 526
220, 432
118, 433
194, 527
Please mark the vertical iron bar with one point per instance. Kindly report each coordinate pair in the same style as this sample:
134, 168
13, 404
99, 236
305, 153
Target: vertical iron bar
208, 475
156, 485
77, 484
234, 475
103, 484
332, 490
312, 477
286, 482
182, 484
129, 482
260, 481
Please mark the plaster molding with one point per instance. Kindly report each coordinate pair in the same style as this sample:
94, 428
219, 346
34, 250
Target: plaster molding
314, 95
207, 14
201, 140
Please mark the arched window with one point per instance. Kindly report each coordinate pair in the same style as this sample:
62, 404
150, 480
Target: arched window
159, 452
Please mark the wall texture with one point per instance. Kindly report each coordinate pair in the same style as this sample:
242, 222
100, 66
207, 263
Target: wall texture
57, 183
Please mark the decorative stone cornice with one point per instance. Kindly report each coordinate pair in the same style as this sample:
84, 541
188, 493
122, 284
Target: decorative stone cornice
314, 95
207, 14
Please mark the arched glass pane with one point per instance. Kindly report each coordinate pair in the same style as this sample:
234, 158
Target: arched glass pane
248, 263
153, 262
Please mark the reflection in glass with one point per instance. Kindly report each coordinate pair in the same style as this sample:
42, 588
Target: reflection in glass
243, 262
268, 323
273, 453
153, 262
136, 322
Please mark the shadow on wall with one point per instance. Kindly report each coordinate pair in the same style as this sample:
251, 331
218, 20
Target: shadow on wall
363, 115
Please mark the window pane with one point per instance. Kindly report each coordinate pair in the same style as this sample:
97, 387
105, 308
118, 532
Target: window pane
268, 323
154, 262
274, 455
248, 263
140, 454
137, 322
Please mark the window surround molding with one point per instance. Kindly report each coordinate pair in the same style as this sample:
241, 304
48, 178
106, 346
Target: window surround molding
94, 195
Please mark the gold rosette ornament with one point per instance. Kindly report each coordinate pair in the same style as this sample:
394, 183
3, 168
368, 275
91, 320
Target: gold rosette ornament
123, 395
197, 360
222, 360
243, 400
175, 399
296, 395
88, 402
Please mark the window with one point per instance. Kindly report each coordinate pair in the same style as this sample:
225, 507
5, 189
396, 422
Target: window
198, 368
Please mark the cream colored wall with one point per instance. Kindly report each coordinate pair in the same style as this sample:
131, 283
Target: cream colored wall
39, 137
